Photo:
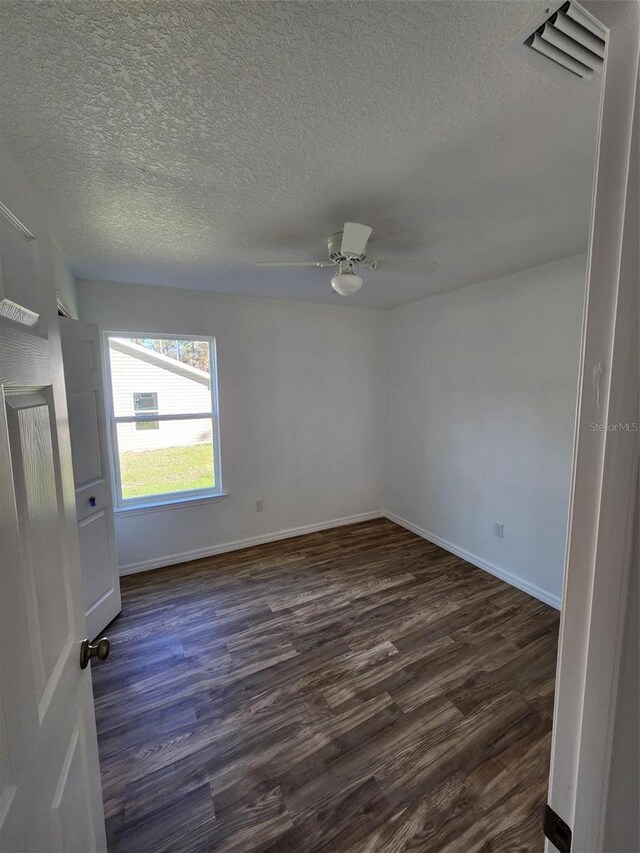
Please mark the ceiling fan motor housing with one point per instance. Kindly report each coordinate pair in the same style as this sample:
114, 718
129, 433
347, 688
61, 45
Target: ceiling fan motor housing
335, 254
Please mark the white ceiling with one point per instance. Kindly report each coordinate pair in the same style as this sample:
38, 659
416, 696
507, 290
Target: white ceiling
179, 142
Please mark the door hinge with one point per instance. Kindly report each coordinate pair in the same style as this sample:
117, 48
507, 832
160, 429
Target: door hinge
556, 830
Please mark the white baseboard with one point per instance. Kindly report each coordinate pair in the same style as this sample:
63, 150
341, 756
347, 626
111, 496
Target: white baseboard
238, 544
513, 580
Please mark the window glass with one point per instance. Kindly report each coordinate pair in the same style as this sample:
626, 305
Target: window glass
176, 451
179, 376
176, 457
145, 402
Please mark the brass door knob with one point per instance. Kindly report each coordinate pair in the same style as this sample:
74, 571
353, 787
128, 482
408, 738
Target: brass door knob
89, 650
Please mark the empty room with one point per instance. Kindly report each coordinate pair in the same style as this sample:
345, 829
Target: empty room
319, 426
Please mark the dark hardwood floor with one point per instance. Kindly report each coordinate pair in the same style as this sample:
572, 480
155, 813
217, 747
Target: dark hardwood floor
357, 689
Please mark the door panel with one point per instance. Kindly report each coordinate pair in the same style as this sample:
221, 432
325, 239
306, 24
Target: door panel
50, 794
37, 504
71, 808
95, 555
85, 443
89, 448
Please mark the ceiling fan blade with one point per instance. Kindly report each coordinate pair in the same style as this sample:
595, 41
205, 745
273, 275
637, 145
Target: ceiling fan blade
405, 265
294, 264
354, 238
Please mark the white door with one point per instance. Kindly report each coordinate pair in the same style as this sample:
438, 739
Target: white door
94, 503
50, 797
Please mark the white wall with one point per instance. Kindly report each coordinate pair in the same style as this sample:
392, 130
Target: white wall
481, 397
480, 393
65, 282
301, 413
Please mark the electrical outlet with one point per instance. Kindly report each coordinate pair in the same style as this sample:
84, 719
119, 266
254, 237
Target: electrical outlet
498, 530
259, 505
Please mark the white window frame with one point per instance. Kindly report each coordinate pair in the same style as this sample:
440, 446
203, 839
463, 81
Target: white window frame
166, 498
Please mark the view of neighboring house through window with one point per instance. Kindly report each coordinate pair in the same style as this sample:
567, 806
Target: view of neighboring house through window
164, 417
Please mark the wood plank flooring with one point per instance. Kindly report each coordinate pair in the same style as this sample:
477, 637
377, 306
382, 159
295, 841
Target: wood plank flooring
357, 689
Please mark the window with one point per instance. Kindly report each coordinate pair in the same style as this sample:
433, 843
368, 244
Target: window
147, 403
164, 418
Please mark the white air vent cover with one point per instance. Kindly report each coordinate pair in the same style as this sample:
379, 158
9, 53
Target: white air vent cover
563, 40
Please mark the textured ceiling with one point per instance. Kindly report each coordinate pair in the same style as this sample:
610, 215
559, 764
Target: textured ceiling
179, 142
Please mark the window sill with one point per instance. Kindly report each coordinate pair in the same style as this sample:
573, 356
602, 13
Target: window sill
175, 503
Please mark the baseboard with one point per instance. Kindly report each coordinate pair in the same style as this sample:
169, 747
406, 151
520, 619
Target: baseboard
513, 580
238, 544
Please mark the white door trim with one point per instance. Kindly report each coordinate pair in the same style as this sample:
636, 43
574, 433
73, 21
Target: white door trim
605, 463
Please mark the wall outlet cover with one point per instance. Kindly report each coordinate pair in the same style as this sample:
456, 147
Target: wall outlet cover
498, 530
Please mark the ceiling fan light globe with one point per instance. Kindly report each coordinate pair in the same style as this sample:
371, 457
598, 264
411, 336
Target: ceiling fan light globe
346, 283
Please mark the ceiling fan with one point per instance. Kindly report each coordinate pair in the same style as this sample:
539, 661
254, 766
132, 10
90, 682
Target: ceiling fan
347, 250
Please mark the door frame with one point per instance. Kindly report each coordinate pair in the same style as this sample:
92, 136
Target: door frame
605, 463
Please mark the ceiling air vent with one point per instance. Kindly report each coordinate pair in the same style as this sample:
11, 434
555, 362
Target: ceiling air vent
563, 40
